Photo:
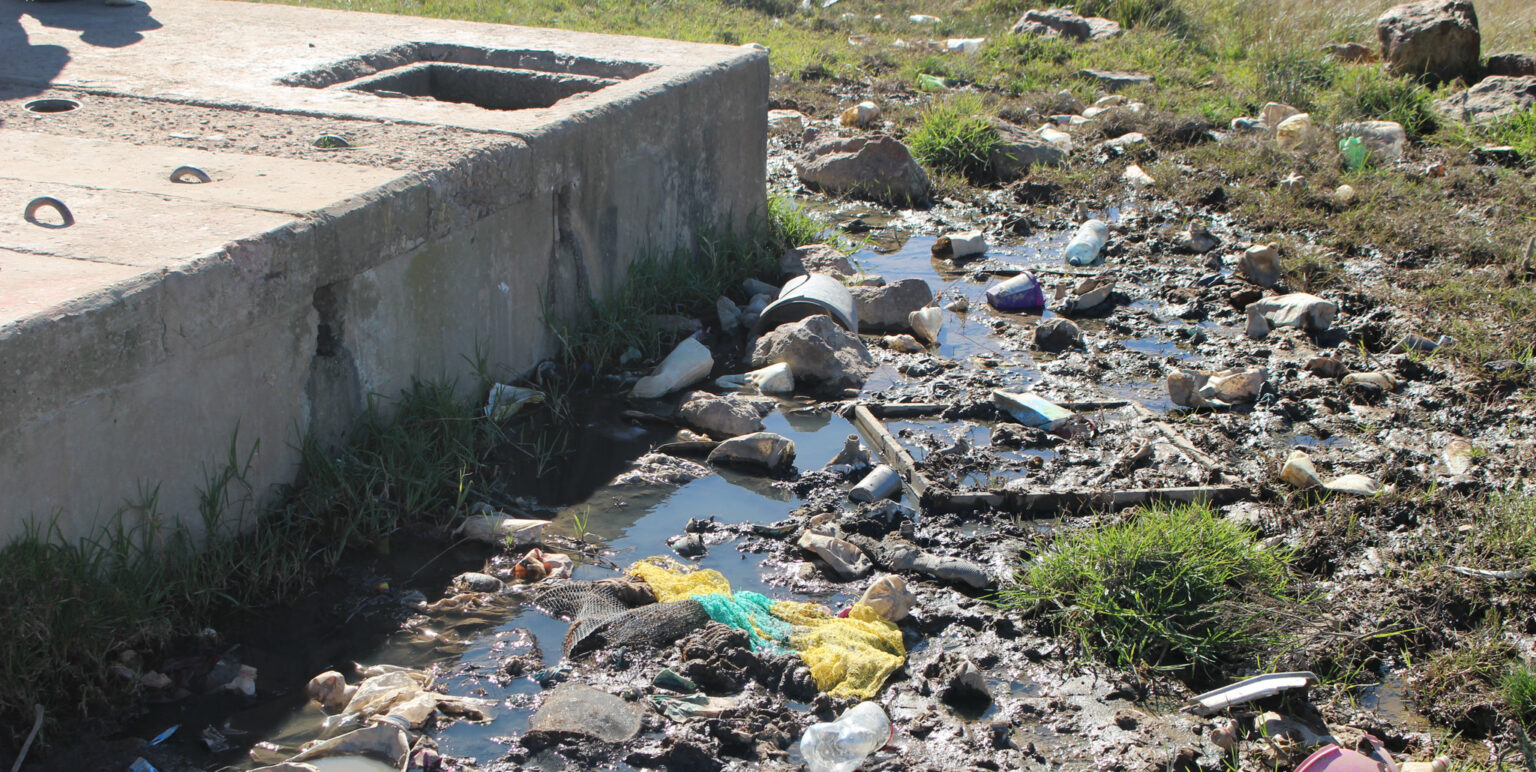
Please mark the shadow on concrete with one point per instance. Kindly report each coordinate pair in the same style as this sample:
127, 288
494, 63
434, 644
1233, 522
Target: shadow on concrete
34, 67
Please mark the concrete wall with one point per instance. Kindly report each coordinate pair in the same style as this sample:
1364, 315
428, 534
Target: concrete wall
144, 386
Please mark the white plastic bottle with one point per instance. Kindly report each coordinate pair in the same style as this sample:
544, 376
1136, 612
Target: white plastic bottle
1086, 244
842, 745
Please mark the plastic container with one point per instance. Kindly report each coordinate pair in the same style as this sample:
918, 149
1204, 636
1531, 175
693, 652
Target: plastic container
1021, 293
879, 484
1087, 243
1032, 410
688, 364
809, 295
842, 745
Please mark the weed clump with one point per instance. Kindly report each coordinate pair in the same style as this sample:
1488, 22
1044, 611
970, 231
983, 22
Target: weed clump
1519, 691
1368, 94
951, 139
1171, 588
1292, 77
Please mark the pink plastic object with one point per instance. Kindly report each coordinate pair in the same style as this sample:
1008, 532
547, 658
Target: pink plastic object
1332, 758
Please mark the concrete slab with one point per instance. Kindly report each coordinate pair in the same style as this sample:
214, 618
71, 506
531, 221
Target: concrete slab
489, 169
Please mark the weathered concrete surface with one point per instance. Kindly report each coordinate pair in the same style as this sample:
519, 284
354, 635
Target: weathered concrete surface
277, 297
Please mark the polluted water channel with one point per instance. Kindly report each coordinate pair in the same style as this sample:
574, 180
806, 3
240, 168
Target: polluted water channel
623, 515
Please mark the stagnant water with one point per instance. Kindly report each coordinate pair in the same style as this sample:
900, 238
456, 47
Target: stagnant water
633, 522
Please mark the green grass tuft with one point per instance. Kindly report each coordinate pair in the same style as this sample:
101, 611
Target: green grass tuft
1518, 688
1173, 588
953, 139
1368, 94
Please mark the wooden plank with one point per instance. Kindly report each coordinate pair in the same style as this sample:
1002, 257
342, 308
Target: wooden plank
1184, 445
906, 409
1026, 502
886, 445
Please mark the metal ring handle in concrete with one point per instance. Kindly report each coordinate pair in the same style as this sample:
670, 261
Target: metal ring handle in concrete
181, 173
57, 205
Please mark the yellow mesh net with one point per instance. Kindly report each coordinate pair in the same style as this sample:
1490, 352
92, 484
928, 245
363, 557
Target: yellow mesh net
848, 656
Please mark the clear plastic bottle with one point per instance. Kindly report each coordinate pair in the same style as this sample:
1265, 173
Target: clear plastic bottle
1086, 244
842, 745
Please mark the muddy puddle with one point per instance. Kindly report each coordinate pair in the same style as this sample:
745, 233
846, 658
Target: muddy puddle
1045, 713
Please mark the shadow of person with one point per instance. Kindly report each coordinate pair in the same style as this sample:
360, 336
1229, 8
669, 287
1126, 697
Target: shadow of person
98, 25
26, 69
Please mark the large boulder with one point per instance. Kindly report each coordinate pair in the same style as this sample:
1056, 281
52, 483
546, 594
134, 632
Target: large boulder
876, 167
822, 355
1435, 39
1020, 150
1495, 96
719, 417
886, 308
1055, 22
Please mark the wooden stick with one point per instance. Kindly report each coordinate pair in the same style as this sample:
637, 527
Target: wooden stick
1184, 446
1026, 502
906, 409
889, 449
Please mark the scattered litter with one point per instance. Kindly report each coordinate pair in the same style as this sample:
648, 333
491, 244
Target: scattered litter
882, 483
927, 322
1032, 410
967, 46
773, 379
1249, 690
485, 524
688, 364
506, 401
1299, 472
1021, 293
1087, 243
842, 745
1187, 388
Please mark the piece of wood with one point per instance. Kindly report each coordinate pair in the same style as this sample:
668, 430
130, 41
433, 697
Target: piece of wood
906, 409
1178, 440
886, 445
1024, 502
1085, 405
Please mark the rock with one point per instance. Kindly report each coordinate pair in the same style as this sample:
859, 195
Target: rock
1350, 52
1260, 264
1058, 333
1296, 133
1326, 367
717, 416
786, 122
1378, 380
1385, 140
1115, 80
886, 308
1274, 113
1437, 39
1101, 28
960, 245
815, 258
889, 597
1196, 239
848, 561
876, 167
958, 681
905, 344
1298, 309
579, 711
1055, 22
1512, 65
926, 323
1457, 456
1065, 102
766, 450
861, 115
1135, 177
729, 313
822, 355
688, 364
959, 305
1020, 150
755, 287
688, 545
1496, 96
475, 581
1126, 143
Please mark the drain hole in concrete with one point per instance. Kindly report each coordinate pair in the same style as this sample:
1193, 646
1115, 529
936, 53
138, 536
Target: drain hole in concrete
492, 88
51, 105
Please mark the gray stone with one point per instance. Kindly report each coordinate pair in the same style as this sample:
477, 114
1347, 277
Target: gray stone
1115, 80
1021, 149
1260, 264
1055, 22
822, 355
1513, 65
578, 710
1495, 96
1058, 333
719, 417
815, 258
1437, 39
885, 308
1101, 28
729, 313
957, 680
876, 167
765, 450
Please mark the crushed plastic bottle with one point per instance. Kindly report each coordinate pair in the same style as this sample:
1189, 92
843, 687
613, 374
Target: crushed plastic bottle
1086, 244
842, 745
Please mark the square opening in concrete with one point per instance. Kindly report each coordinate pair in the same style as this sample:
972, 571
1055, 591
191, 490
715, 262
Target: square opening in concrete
494, 79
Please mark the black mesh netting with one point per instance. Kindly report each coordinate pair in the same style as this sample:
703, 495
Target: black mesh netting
616, 612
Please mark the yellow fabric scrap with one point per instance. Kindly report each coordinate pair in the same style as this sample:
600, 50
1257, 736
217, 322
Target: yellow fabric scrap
848, 656
673, 581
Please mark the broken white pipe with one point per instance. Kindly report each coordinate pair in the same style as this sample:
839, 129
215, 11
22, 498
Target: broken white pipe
878, 485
